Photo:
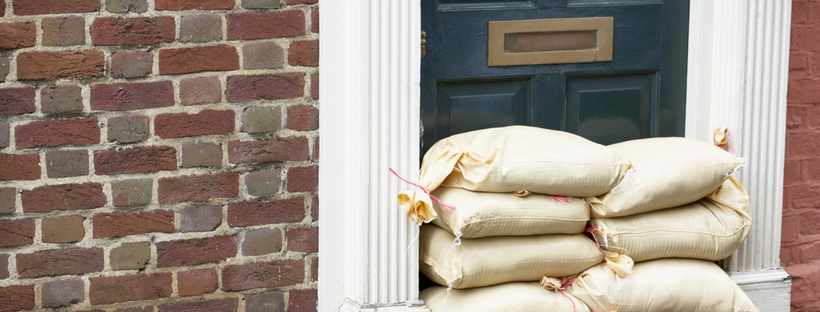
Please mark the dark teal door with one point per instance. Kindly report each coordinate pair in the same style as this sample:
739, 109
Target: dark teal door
639, 93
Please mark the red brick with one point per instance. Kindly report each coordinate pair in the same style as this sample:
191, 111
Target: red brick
58, 132
268, 87
314, 20
197, 282
314, 269
198, 187
304, 53
63, 31
142, 309
802, 145
198, 59
67, 99
17, 35
314, 208
792, 171
16, 101
16, 298
113, 289
61, 293
804, 90
194, 4
50, 65
276, 24
811, 113
125, 64
187, 252
129, 96
269, 150
209, 122
303, 179
216, 305
121, 224
60, 262
303, 240
200, 90
19, 167
2, 8
303, 117
63, 197
799, 65
40, 7
303, 300
18, 232
277, 273
314, 86
133, 31
270, 212
135, 160
200, 218
807, 252
802, 38
800, 11
794, 116
805, 284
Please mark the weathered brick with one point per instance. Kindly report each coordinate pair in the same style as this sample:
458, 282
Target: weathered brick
61, 100
129, 96
209, 122
40, 7
804, 90
270, 212
132, 192
259, 119
63, 293
132, 256
302, 300
197, 282
303, 179
314, 20
314, 208
260, 4
194, 4
303, 240
292, 2
264, 302
314, 269
67, 229
141, 309
200, 218
304, 53
200, 90
198, 59
269, 150
132, 31
198, 187
263, 182
5, 66
2, 8
19, 232
135, 160
261, 25
74, 261
113, 289
63, 197
277, 273
121, 224
126, 6
125, 64
262, 242
66, 163
4, 266
262, 55
186, 252
216, 305
58, 132
19, 167
5, 134
790, 232
8, 196
314, 86
303, 117
16, 101
50, 65
63, 31
268, 87
17, 35
201, 154
17, 298
128, 129
200, 28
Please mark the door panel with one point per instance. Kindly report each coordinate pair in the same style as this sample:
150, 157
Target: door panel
468, 106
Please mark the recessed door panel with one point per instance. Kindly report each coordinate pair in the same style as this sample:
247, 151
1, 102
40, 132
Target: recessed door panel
468, 106
612, 109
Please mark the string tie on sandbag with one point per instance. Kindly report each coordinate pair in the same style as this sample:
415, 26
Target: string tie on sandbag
552, 284
562, 199
596, 229
457, 241
448, 207
722, 137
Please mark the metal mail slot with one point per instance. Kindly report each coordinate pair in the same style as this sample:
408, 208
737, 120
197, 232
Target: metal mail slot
550, 41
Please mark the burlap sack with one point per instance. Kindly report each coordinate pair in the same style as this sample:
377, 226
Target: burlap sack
481, 214
709, 229
493, 260
523, 297
668, 172
680, 285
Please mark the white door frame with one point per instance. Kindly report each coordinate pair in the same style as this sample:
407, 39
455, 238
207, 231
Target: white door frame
369, 62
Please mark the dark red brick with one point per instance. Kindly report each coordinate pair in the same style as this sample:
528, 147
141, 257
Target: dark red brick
198, 59
40, 7
198, 187
16, 101
125, 64
197, 282
133, 31
63, 293
314, 208
314, 20
268, 87
135, 160
261, 25
216, 305
314, 86
113, 289
209, 122
194, 4
304, 53
270, 150
303, 179
8, 197
4, 266
200, 90
50, 65
18, 232
14, 167
63, 31
303, 117
60, 262
187, 252
314, 269
2, 8
121, 224
277, 273
200, 218
61, 100
303, 300
17, 35
142, 309
270, 212
65, 229
303, 240
66, 163
58, 132
262, 242
129, 96
63, 197
17, 298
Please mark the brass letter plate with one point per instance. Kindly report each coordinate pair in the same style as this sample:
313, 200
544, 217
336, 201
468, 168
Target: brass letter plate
550, 41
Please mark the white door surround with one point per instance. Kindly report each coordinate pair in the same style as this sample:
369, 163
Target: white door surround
369, 62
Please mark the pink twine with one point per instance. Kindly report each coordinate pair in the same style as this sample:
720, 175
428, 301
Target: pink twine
563, 286
591, 230
562, 198
449, 208
728, 142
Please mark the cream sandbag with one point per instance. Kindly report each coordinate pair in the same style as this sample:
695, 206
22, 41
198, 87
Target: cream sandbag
512, 159
521, 296
493, 260
668, 172
482, 214
681, 285
709, 229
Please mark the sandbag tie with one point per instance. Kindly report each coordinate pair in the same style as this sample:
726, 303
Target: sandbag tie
449, 208
457, 240
597, 229
562, 199
722, 137
552, 284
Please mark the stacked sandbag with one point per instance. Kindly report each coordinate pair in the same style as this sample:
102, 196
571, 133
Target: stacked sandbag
529, 296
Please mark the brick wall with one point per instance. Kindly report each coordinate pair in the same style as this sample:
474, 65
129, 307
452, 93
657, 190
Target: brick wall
159, 155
